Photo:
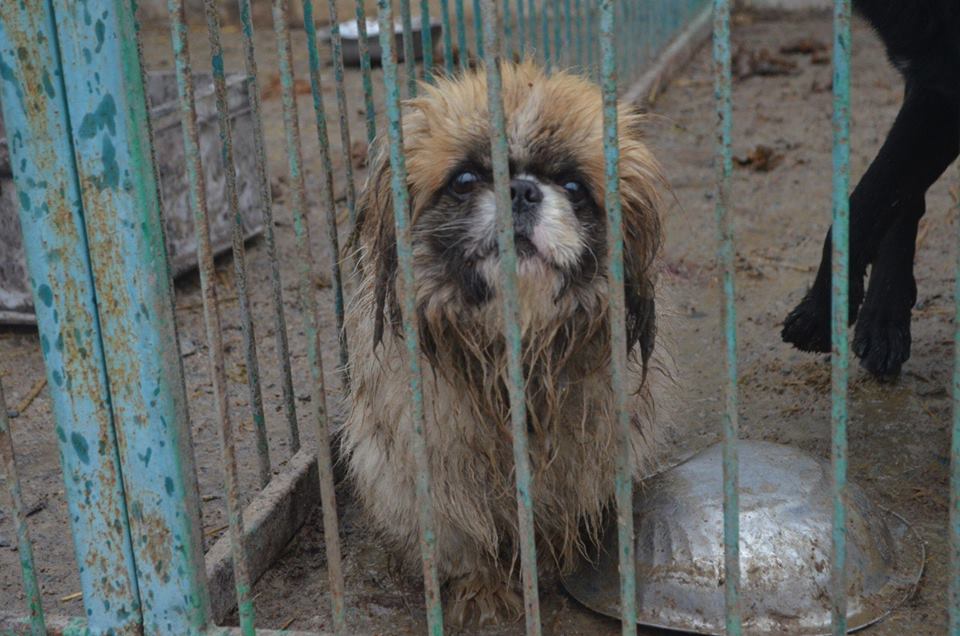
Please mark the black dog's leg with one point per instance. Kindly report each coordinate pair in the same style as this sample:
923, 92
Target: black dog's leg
919, 147
882, 337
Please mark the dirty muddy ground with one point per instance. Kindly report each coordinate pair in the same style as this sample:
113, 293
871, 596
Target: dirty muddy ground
899, 434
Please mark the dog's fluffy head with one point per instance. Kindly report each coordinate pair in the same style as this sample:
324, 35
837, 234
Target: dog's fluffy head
555, 139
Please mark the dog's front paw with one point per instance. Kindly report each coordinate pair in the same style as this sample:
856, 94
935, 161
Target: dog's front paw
882, 343
482, 600
807, 327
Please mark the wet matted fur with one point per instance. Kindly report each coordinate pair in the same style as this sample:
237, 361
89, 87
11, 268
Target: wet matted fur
554, 127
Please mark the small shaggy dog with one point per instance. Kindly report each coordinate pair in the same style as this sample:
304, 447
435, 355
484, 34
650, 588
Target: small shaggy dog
554, 126
922, 38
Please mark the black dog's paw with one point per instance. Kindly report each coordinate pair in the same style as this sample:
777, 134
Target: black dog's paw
882, 343
807, 327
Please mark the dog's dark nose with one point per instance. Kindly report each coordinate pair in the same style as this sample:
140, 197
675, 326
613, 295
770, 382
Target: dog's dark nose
526, 196
524, 192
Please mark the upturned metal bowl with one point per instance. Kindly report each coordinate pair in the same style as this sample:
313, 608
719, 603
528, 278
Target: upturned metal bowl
785, 543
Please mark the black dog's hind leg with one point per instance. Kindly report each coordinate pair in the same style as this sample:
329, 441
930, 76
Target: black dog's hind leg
882, 337
919, 147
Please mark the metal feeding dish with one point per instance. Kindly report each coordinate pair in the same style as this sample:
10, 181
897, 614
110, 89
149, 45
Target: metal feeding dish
785, 530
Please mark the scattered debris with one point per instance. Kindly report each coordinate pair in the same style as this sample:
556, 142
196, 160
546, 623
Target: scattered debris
761, 159
803, 46
762, 63
273, 88
826, 87
214, 531
820, 58
188, 347
40, 506
71, 597
28, 399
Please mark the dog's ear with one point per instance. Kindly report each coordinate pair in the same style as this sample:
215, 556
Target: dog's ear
374, 240
640, 177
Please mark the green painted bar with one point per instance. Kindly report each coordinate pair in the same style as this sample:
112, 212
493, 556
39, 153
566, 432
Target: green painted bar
208, 285
336, 52
478, 29
426, 39
511, 318
522, 29
238, 251
726, 255
35, 114
308, 306
447, 37
11, 479
411, 334
266, 210
409, 59
462, 51
327, 194
617, 317
840, 355
365, 71
112, 140
545, 25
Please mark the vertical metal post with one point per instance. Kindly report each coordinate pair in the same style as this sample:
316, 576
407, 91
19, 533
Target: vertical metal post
545, 25
478, 29
464, 53
411, 335
266, 209
840, 356
38, 125
211, 310
426, 40
233, 200
336, 51
409, 58
11, 478
327, 198
521, 29
308, 305
447, 36
103, 78
728, 316
617, 318
511, 319
369, 108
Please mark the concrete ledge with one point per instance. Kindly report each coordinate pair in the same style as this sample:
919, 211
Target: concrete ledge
270, 522
677, 55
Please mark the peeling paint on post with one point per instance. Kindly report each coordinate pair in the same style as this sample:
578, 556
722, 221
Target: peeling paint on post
111, 137
51, 217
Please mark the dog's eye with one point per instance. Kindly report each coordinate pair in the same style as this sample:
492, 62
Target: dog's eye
576, 191
465, 183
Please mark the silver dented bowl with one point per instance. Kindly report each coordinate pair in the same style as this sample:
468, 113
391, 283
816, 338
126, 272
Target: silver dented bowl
785, 543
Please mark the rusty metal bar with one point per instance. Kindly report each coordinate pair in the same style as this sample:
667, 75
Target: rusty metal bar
308, 306
11, 479
208, 274
726, 253
365, 72
411, 334
239, 252
617, 317
336, 50
409, 49
270, 239
327, 196
35, 114
511, 317
113, 153
426, 40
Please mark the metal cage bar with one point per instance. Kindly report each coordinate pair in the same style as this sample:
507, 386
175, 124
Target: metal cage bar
211, 310
617, 318
11, 479
411, 334
840, 356
35, 114
112, 144
511, 317
308, 306
723, 166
